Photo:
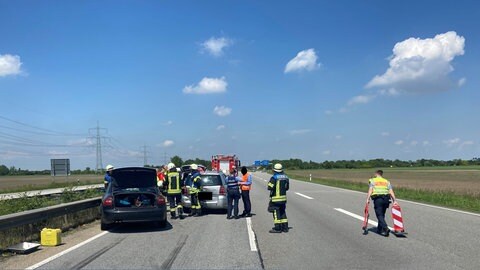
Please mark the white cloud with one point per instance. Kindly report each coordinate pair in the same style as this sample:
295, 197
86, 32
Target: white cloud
168, 123
466, 143
167, 143
451, 142
338, 137
462, 81
399, 142
9, 65
425, 143
222, 110
385, 134
305, 60
299, 131
421, 65
215, 46
413, 143
327, 152
362, 99
207, 86
328, 112
220, 127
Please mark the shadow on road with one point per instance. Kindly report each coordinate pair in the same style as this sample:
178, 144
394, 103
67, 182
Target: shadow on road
141, 227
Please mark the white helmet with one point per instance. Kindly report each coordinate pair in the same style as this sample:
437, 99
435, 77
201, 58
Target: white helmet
278, 167
170, 165
194, 167
109, 167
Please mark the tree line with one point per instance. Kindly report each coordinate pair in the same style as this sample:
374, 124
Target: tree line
291, 164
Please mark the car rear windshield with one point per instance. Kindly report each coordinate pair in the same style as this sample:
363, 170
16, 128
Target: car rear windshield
211, 180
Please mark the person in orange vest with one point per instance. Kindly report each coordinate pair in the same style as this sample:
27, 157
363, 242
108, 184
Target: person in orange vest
380, 191
245, 186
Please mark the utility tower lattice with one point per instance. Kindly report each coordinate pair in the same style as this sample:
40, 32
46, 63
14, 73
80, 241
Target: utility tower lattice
98, 138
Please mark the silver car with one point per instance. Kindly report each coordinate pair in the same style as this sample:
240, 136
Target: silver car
213, 194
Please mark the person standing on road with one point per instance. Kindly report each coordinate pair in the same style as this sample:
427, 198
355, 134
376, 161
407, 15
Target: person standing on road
108, 175
233, 194
278, 186
245, 186
380, 191
196, 186
174, 184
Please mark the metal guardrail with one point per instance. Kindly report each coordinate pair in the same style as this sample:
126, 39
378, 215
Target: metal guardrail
45, 192
36, 215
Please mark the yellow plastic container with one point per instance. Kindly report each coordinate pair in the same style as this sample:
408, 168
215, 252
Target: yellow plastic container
50, 237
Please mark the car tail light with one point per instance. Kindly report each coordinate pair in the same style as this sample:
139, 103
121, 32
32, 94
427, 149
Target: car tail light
222, 190
161, 200
108, 201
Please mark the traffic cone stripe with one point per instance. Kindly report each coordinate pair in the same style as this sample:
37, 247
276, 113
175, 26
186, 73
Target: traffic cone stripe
397, 219
398, 223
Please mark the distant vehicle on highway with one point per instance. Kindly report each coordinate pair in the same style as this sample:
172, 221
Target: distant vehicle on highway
133, 196
213, 194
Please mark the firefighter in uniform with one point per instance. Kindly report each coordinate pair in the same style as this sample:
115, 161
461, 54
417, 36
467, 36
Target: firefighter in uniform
278, 186
196, 186
108, 175
174, 184
245, 186
233, 195
380, 191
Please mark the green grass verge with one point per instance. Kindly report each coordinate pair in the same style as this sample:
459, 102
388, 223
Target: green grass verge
28, 203
48, 186
446, 199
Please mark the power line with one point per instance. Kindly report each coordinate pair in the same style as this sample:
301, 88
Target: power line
98, 139
51, 132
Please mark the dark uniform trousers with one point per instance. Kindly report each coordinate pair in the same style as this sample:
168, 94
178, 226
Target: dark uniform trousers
280, 216
175, 201
381, 203
247, 206
233, 195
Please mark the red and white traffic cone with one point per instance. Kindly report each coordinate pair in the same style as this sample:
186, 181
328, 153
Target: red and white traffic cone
398, 227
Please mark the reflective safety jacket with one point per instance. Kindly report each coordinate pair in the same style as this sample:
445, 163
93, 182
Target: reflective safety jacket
196, 182
278, 186
380, 185
246, 183
232, 182
173, 182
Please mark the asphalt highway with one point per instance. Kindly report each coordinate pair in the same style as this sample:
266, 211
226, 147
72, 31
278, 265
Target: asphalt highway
325, 233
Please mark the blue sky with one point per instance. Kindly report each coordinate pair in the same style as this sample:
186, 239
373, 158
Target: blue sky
316, 80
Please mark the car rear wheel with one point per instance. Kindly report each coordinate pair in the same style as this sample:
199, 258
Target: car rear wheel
105, 226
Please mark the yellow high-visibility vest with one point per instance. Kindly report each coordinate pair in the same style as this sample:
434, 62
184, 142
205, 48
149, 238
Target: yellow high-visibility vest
380, 185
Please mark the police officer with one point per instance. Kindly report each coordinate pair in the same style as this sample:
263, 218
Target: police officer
278, 186
245, 186
380, 190
233, 194
196, 186
174, 184
108, 175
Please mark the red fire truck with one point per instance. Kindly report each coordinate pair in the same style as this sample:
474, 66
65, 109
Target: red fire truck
223, 163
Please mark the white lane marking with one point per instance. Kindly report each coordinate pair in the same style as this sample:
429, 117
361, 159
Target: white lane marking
305, 196
35, 266
371, 222
251, 235
400, 200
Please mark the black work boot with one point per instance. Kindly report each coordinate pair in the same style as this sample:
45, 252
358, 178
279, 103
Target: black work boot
180, 213
174, 215
285, 227
276, 229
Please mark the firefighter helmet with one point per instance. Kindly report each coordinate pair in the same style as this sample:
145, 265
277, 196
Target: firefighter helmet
194, 167
278, 167
109, 167
170, 165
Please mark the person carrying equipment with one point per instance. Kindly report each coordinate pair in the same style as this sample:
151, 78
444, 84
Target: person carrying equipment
278, 186
174, 184
196, 186
108, 175
380, 191
233, 194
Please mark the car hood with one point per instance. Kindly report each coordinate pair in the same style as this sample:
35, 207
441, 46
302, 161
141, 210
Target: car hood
134, 177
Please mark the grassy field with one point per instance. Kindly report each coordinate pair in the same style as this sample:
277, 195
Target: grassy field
10, 184
461, 181
458, 188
